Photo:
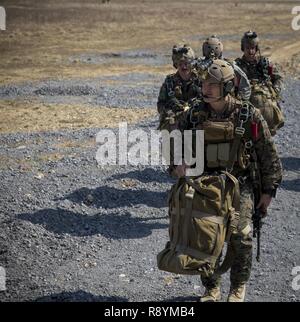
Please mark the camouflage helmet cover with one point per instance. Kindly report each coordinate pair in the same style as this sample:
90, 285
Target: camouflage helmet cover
212, 47
182, 53
249, 38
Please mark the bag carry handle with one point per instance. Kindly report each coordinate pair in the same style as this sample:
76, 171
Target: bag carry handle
233, 179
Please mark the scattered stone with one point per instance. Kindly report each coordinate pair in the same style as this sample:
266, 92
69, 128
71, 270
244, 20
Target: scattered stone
39, 176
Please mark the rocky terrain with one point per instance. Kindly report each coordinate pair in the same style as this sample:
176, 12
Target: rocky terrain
73, 230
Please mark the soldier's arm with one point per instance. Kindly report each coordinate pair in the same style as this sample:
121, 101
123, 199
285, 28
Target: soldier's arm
180, 124
162, 99
268, 159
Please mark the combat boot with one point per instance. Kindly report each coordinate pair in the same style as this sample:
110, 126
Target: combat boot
237, 293
211, 295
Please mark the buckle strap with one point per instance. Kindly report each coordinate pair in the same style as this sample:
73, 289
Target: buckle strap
177, 215
244, 115
186, 213
202, 215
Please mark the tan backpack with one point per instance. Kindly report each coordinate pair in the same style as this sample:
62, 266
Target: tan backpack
264, 98
203, 213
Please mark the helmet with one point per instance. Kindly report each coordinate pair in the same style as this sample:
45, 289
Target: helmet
221, 72
250, 38
212, 47
180, 53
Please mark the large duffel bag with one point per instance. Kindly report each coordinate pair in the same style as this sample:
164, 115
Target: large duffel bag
203, 213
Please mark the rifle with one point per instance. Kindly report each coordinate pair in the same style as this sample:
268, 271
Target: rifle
257, 214
257, 224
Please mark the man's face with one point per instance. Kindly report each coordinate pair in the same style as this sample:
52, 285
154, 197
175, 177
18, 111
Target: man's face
184, 69
211, 90
250, 52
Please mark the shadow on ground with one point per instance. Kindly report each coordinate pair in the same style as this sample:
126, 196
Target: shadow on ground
292, 185
113, 225
79, 296
146, 176
109, 197
290, 163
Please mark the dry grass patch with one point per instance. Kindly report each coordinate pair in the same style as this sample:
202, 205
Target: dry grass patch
20, 116
45, 157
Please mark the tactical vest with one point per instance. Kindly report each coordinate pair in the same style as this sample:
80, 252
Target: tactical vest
224, 139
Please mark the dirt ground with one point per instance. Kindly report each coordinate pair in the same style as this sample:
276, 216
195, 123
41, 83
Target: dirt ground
74, 231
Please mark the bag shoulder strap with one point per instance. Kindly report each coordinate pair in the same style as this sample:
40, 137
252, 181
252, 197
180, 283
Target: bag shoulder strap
243, 117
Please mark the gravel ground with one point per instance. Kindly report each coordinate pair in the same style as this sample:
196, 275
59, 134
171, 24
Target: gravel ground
130, 90
74, 231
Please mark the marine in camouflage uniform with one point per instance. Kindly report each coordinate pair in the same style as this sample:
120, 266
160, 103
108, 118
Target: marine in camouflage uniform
179, 89
220, 107
265, 79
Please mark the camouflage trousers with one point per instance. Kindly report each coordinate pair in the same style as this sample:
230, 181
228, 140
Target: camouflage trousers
240, 244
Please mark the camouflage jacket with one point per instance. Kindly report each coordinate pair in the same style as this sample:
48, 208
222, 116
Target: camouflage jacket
257, 71
175, 94
262, 146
